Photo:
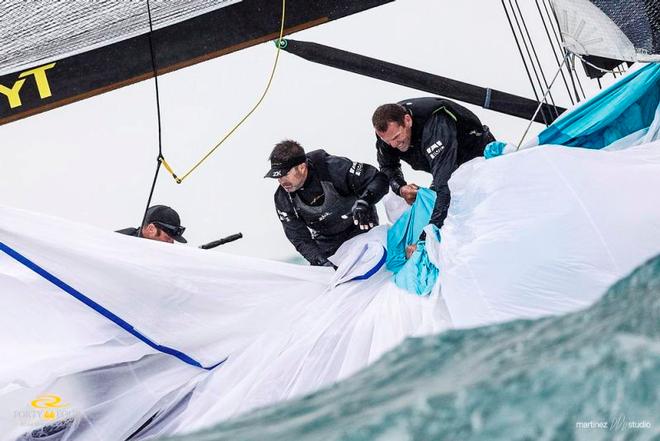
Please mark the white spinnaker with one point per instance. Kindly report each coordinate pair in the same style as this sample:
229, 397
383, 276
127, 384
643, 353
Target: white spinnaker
546, 230
543, 231
284, 331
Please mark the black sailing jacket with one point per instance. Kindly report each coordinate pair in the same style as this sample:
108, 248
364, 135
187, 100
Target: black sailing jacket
317, 218
444, 135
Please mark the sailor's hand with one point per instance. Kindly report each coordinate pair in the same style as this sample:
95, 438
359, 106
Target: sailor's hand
362, 214
409, 193
410, 249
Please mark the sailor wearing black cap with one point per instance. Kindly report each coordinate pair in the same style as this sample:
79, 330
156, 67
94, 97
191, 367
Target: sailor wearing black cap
323, 200
161, 223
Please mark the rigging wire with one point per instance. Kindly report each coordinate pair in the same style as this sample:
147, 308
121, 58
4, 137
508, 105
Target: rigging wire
522, 57
577, 77
160, 137
536, 57
279, 43
540, 104
554, 21
554, 51
525, 45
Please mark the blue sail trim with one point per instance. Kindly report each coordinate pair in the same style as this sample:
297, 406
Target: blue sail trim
373, 270
101, 310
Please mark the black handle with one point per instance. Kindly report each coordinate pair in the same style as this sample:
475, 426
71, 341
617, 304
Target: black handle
224, 240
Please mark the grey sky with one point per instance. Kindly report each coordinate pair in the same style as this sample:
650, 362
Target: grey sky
93, 161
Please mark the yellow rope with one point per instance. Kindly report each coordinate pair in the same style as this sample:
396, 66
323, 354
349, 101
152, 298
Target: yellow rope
263, 95
168, 167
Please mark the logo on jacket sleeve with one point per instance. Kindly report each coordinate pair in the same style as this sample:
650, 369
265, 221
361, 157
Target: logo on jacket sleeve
283, 215
356, 168
435, 149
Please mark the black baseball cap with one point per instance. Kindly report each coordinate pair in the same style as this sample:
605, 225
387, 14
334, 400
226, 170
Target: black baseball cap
166, 219
281, 168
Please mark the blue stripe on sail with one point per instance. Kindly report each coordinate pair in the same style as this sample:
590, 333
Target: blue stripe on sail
100, 309
373, 270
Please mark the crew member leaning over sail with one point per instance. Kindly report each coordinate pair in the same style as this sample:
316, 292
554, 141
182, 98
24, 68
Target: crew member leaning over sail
161, 223
323, 200
431, 134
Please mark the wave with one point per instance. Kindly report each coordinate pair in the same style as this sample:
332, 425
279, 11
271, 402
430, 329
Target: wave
586, 375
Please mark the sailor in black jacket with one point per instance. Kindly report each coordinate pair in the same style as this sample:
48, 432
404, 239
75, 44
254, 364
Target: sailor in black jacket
431, 134
323, 200
161, 223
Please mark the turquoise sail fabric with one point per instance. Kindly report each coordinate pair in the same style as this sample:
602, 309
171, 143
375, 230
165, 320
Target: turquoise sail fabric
417, 274
493, 149
624, 108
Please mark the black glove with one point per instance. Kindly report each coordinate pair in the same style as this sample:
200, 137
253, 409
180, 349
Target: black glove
362, 214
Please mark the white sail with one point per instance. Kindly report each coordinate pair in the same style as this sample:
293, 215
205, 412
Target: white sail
543, 231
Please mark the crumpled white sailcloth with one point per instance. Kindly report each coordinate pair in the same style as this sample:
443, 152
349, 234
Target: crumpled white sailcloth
283, 329
546, 230
542, 231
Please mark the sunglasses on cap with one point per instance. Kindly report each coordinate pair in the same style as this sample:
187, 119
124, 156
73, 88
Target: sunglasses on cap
172, 230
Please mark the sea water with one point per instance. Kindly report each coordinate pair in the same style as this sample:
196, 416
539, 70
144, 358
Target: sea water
590, 375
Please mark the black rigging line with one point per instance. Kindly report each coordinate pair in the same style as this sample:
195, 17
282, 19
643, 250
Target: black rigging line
536, 58
577, 77
160, 139
554, 23
529, 55
573, 68
552, 19
524, 42
522, 57
554, 52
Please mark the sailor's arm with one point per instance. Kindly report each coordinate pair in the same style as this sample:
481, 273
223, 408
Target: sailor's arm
299, 235
358, 178
441, 150
371, 185
361, 180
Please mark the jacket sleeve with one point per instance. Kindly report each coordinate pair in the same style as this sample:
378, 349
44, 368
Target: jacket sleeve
440, 148
390, 164
357, 178
297, 232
